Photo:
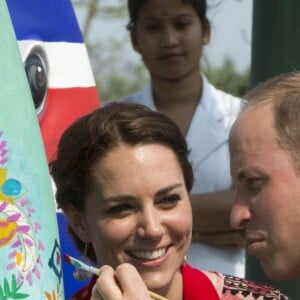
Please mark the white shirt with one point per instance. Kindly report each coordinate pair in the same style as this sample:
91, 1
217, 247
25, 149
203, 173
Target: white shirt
207, 138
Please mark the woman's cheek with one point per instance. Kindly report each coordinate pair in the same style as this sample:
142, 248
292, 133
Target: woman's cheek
117, 229
182, 221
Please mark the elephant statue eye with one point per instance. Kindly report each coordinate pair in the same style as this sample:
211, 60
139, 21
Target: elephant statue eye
36, 72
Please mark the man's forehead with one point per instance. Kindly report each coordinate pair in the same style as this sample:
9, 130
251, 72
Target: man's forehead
253, 139
254, 119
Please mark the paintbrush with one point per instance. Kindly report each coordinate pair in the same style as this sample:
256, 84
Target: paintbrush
87, 268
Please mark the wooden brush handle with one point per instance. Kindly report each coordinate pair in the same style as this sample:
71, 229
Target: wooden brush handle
155, 296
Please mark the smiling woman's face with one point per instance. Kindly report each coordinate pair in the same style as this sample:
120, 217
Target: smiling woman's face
142, 214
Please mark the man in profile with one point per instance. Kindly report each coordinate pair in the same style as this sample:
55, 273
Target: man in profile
265, 167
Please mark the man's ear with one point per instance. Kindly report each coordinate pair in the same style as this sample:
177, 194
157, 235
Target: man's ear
78, 224
205, 32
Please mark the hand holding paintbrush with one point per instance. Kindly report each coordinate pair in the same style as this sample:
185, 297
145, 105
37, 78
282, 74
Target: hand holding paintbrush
87, 268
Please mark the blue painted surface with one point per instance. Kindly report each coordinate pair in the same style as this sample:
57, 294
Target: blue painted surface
51, 21
67, 247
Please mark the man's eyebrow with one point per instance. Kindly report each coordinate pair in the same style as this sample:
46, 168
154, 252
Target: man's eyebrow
248, 170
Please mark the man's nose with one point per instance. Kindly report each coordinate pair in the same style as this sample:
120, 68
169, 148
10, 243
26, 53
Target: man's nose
240, 213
